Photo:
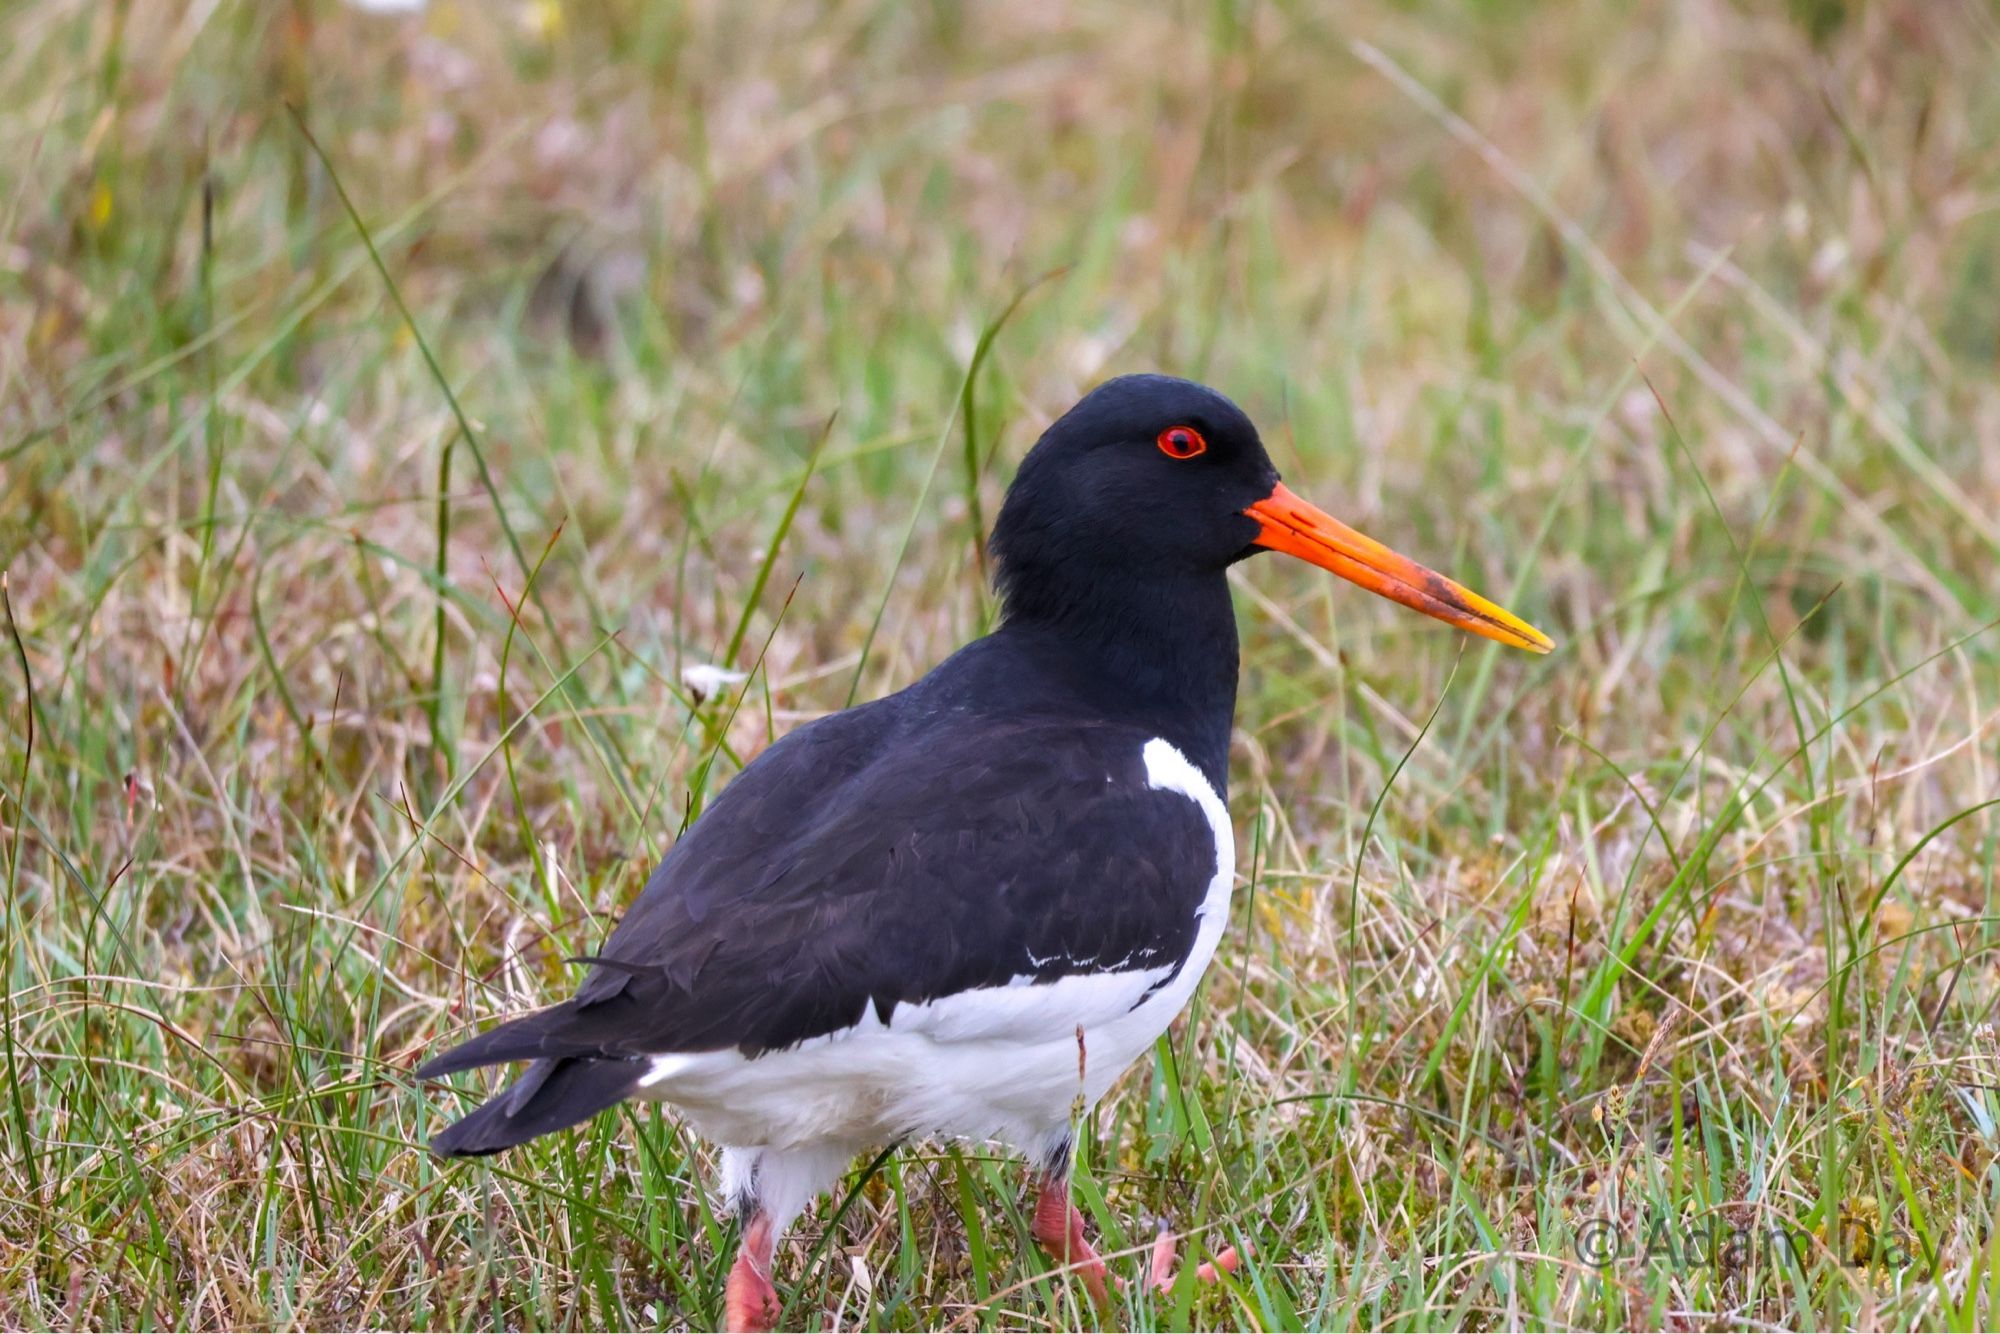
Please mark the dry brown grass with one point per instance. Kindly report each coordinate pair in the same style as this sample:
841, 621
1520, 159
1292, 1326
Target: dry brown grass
1675, 321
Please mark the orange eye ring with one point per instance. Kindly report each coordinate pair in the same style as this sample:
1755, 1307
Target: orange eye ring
1181, 442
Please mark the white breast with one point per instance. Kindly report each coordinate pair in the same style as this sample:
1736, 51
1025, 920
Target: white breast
1005, 1063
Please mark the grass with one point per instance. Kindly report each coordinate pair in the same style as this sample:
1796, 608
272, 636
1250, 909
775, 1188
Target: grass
355, 559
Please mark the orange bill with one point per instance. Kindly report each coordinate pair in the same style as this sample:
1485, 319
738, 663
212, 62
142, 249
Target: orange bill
1310, 533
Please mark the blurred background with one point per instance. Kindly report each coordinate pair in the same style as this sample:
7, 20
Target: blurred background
403, 405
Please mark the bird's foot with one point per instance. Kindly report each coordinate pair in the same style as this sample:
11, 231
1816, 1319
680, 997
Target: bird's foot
1164, 1271
1058, 1228
750, 1303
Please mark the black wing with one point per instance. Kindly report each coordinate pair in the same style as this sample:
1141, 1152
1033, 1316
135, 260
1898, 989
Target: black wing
857, 865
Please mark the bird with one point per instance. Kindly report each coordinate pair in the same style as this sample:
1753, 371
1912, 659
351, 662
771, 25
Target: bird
962, 910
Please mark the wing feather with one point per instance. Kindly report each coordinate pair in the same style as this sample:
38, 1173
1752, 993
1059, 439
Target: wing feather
832, 877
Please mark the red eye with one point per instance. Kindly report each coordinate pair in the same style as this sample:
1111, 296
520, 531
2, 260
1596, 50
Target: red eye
1182, 442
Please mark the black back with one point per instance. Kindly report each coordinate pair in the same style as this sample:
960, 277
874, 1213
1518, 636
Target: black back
891, 854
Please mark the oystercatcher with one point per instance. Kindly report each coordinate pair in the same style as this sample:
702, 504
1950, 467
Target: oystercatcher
963, 909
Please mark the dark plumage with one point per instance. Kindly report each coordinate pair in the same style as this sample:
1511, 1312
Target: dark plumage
966, 907
781, 917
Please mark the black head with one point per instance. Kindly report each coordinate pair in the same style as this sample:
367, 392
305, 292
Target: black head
1153, 484
1147, 475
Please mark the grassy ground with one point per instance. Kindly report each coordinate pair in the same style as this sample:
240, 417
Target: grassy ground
349, 604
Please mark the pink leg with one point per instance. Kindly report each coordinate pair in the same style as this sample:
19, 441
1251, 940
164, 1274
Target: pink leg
750, 1303
1059, 1230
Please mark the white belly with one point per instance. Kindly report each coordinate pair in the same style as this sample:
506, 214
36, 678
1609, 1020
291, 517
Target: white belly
1006, 1063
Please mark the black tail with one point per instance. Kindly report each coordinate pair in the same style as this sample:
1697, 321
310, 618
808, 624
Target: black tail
568, 1082
554, 1095
529, 1038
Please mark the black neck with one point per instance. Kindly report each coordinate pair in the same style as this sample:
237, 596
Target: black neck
1159, 650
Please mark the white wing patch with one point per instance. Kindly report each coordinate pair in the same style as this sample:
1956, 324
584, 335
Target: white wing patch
1169, 770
